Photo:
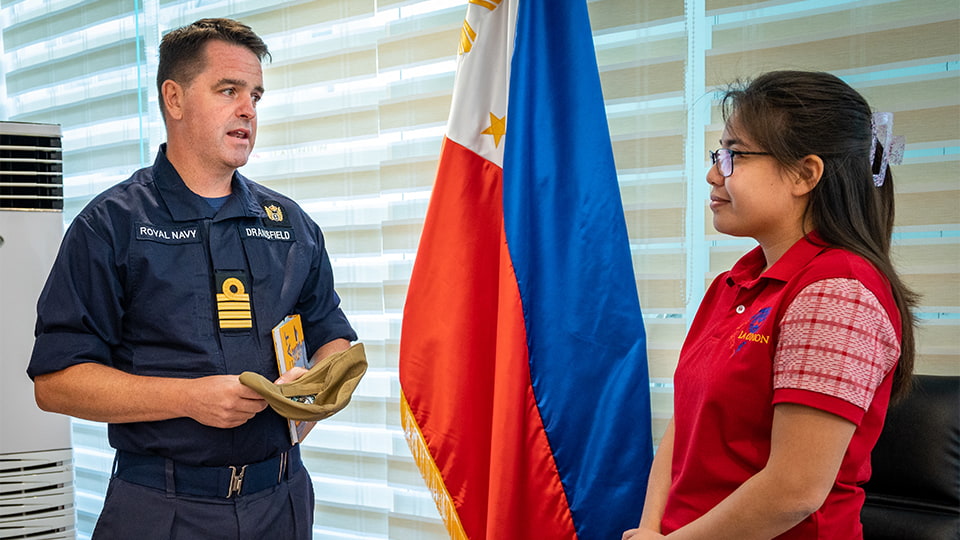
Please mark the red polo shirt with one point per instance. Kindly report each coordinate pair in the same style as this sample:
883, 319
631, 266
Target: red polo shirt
794, 334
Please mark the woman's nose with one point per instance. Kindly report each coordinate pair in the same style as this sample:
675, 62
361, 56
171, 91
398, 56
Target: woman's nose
714, 178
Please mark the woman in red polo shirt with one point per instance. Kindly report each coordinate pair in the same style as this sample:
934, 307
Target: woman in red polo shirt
785, 376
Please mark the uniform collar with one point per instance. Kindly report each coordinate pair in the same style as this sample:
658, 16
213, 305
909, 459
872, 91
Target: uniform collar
185, 205
747, 270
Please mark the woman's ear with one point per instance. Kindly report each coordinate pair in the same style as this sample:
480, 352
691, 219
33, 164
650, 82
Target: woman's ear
172, 95
809, 172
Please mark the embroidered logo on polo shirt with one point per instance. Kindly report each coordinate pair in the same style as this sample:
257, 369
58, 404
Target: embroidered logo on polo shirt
233, 300
751, 333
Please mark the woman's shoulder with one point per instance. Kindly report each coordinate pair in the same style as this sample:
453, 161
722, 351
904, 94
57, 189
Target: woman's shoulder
838, 263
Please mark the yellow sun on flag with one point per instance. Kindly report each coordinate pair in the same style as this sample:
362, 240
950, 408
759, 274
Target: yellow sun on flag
498, 127
467, 36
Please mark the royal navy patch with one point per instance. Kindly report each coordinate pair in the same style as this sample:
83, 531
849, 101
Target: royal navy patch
166, 234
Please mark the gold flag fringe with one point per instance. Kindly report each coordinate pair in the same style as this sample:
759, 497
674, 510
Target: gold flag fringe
430, 472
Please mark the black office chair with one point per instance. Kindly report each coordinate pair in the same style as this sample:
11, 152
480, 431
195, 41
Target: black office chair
914, 493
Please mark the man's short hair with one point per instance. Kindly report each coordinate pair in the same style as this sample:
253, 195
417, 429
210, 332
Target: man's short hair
182, 50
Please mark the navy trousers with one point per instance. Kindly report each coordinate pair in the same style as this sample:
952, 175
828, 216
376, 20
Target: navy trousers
134, 512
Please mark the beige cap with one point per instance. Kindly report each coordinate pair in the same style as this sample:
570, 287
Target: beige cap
321, 392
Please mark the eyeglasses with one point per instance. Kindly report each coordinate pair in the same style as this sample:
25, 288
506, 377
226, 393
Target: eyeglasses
724, 156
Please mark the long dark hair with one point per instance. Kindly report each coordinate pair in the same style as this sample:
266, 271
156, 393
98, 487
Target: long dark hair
793, 114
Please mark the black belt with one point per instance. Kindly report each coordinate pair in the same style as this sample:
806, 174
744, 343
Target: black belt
165, 474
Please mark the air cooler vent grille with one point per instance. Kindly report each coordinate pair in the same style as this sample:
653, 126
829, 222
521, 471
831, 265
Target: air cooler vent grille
36, 496
31, 172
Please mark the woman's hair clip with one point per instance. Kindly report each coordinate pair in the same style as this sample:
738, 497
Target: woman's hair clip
891, 145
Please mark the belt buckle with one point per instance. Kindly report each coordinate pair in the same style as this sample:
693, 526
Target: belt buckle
236, 480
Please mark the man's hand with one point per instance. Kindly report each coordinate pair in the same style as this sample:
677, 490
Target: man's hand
104, 394
222, 401
329, 348
291, 375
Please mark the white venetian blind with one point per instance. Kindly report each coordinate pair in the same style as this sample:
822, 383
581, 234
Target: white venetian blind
357, 98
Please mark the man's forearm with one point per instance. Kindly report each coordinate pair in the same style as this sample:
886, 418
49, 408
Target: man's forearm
331, 347
100, 393
104, 394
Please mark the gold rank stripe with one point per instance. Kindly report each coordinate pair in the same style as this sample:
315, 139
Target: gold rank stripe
236, 324
235, 315
233, 306
222, 298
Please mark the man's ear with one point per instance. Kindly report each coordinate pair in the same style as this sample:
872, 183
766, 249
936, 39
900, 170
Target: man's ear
809, 172
172, 95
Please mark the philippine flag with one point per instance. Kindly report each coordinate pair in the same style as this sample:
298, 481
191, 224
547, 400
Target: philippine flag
523, 354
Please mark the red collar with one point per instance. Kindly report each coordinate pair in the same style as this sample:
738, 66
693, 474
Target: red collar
747, 270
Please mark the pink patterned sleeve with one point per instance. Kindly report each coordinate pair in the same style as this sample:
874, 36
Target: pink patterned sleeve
836, 339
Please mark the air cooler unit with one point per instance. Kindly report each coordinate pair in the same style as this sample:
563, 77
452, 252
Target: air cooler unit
36, 461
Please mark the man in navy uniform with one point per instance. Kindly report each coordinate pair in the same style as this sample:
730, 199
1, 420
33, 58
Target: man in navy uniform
166, 288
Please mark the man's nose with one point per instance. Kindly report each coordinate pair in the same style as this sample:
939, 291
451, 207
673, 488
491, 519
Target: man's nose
247, 108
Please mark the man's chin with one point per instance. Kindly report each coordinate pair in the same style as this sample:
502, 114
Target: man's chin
238, 161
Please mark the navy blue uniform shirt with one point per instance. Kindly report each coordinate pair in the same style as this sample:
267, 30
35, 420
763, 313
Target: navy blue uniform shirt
151, 280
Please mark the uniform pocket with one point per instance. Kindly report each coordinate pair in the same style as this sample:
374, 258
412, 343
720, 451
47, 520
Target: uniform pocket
131, 511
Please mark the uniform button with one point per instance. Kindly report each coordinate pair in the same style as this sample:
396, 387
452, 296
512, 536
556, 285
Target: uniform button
741, 309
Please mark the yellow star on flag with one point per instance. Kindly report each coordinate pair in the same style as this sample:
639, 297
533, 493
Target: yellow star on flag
498, 127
